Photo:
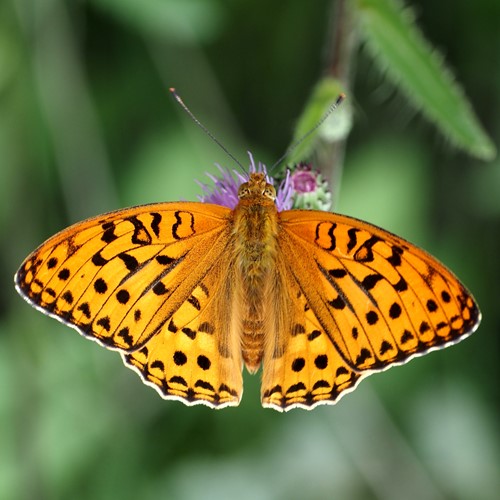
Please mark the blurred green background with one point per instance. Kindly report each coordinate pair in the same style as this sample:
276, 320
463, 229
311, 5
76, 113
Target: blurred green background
87, 126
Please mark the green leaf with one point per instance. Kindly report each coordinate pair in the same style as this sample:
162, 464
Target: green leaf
336, 126
400, 49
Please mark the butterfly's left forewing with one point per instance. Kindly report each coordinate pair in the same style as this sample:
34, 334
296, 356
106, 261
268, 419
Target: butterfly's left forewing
141, 281
365, 300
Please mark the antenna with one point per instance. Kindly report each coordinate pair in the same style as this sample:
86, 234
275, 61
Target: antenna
329, 111
193, 117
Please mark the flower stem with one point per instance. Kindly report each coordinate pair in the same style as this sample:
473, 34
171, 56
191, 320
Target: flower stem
340, 44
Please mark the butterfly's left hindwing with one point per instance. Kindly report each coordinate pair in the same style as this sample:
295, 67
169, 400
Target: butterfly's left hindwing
135, 280
365, 300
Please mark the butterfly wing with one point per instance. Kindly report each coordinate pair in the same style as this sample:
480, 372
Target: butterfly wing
142, 281
363, 300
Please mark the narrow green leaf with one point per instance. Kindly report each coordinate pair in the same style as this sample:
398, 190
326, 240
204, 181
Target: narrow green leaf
334, 128
400, 49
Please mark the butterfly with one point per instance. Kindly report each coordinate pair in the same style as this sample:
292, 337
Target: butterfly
190, 292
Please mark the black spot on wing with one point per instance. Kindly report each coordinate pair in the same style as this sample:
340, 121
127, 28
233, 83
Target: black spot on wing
321, 361
125, 335
321, 384
190, 333
365, 252
406, 336
131, 263
104, 323
296, 387
100, 286
395, 258
122, 296
160, 289
337, 273
155, 224
384, 347
424, 327
341, 370
203, 362
176, 379
298, 364
314, 334
63, 274
330, 232
204, 385
369, 281
363, 356
164, 260
395, 310
273, 390
109, 232
431, 305
401, 285
179, 358
337, 303
178, 222
52, 262
98, 260
194, 302
85, 309
158, 364
353, 240
371, 317
141, 235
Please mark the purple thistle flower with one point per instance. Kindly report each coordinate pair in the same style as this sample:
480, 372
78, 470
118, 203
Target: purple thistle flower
311, 191
304, 179
225, 189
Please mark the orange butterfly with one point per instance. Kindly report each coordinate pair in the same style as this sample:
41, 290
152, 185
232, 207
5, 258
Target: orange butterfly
188, 293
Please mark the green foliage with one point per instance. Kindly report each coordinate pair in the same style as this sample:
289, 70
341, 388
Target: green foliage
400, 50
334, 128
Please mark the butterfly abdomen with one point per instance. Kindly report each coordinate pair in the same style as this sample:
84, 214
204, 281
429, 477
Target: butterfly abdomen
255, 232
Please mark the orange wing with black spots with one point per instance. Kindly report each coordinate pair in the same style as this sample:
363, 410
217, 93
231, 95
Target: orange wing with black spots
143, 281
364, 300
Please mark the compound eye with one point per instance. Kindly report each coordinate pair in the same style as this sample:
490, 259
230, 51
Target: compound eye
243, 190
270, 192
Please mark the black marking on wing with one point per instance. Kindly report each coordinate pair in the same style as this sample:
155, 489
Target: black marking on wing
155, 224
141, 235
178, 223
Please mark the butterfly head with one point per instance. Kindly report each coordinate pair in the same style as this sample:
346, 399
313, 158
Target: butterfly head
257, 186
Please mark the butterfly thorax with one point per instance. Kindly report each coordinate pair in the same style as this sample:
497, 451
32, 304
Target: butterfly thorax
255, 231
